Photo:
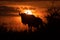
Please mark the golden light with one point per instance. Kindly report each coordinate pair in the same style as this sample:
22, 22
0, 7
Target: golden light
28, 12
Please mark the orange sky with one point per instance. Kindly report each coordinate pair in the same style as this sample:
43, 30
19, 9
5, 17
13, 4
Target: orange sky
41, 7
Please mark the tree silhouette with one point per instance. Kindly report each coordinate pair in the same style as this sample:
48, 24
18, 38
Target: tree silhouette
54, 19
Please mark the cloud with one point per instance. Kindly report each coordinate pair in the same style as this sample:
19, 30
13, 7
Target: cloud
26, 0
4, 10
21, 0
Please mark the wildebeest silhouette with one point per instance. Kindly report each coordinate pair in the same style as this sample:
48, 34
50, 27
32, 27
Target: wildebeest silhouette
31, 20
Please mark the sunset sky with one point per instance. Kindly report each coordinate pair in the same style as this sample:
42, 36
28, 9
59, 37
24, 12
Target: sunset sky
37, 7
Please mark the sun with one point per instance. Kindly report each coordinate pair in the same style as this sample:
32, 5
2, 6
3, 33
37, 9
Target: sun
28, 12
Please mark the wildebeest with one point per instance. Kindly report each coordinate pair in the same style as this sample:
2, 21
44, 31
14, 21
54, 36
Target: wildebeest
31, 20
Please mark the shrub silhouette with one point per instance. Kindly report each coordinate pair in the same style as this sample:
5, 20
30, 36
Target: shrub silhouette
53, 20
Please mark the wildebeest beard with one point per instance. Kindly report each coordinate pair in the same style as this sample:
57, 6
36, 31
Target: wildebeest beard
31, 20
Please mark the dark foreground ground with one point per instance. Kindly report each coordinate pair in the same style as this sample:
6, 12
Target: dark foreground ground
19, 35
25, 35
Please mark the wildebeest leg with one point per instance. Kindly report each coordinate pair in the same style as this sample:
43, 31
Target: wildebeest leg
41, 28
30, 28
38, 28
